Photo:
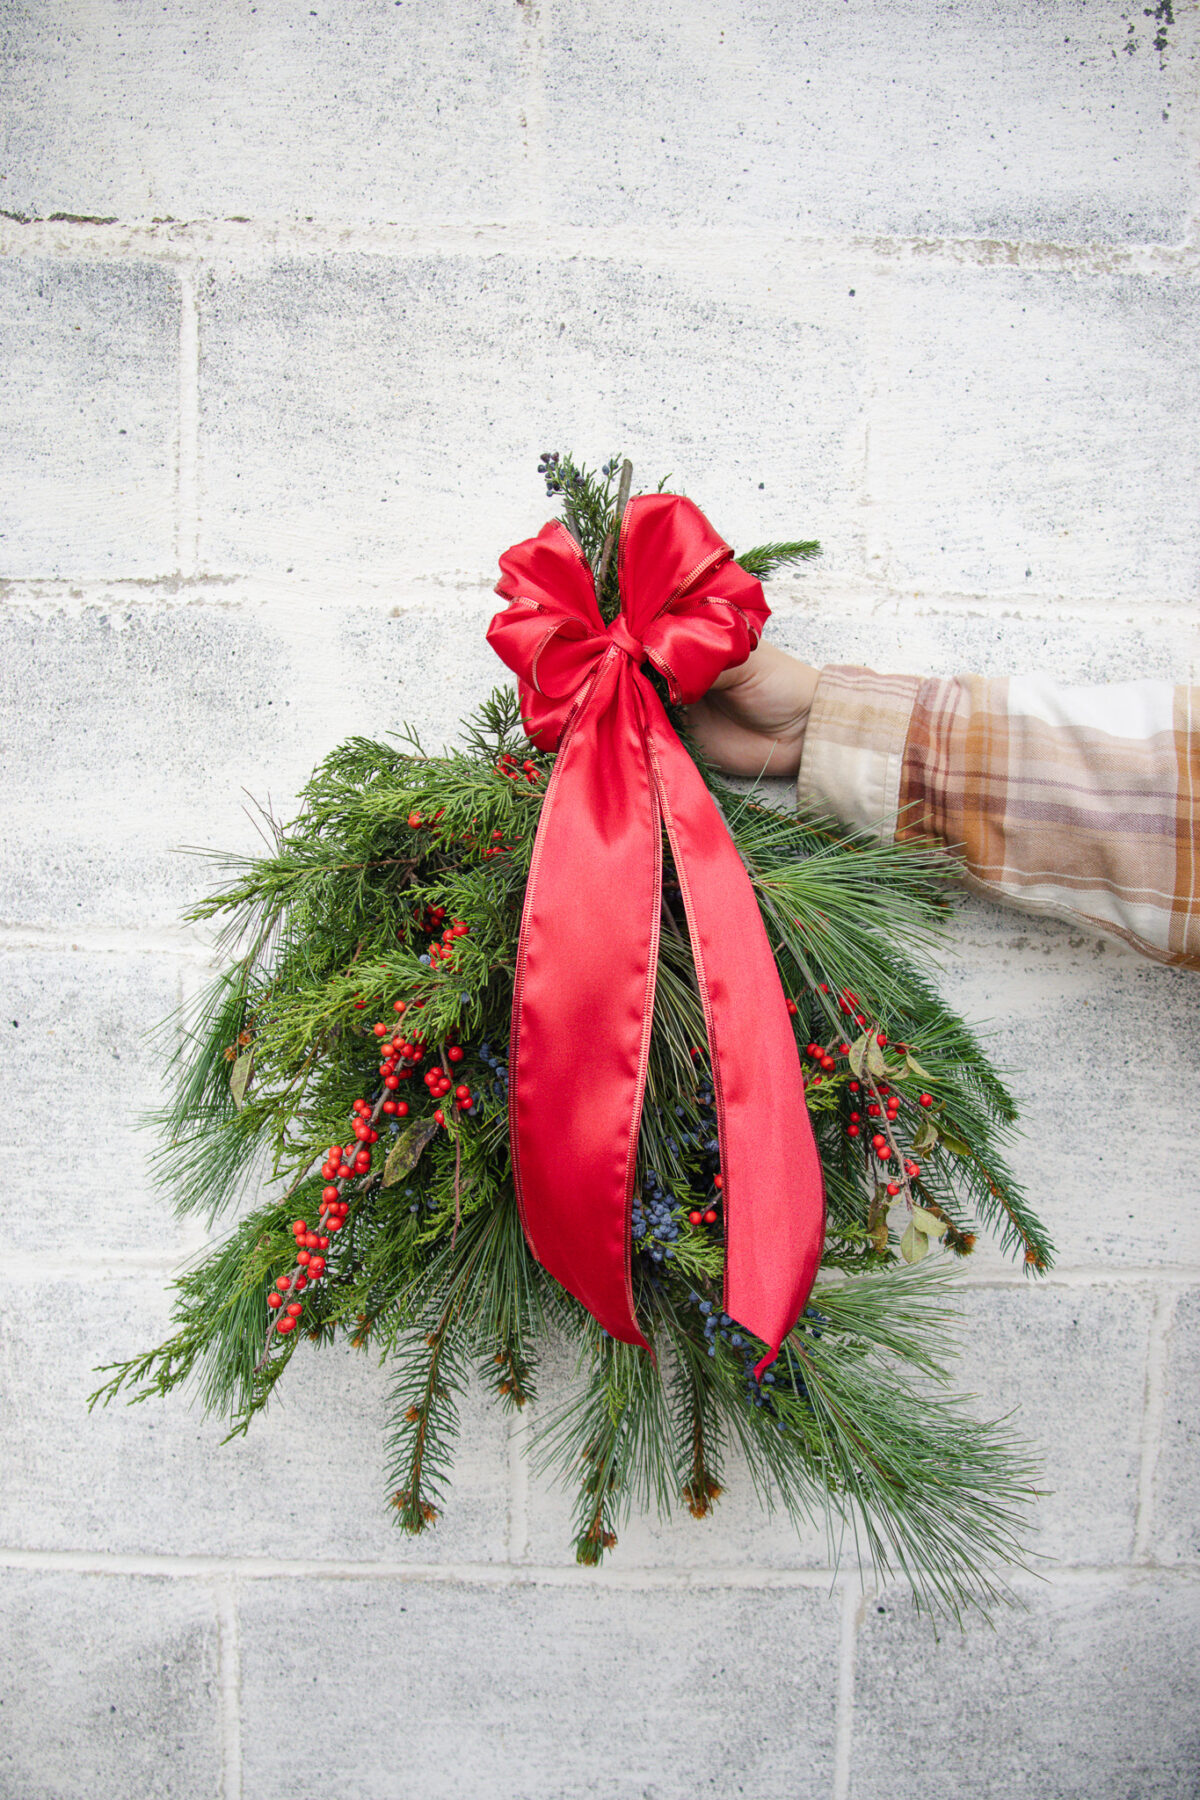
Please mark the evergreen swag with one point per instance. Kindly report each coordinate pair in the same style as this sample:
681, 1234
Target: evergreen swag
370, 986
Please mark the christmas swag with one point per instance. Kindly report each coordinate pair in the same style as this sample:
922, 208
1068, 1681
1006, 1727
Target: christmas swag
560, 1034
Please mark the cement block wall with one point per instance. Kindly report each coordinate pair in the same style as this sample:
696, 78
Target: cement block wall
291, 297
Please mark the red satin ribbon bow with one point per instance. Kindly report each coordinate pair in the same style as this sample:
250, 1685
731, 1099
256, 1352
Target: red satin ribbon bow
584, 990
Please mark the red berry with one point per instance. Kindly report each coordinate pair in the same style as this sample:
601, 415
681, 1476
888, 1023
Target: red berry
718, 1181
389, 1106
439, 1117
792, 1008
334, 1225
881, 1039
402, 1109
322, 1242
853, 1130
329, 1194
812, 1049
399, 1006
893, 1188
854, 1087
391, 1083
360, 1005
455, 1053
879, 1140
414, 819
379, 1028
285, 1324
274, 1299
298, 1225
284, 1282
710, 1217
694, 1218
316, 1266
294, 1310
302, 1257
926, 1099
310, 1240
462, 1093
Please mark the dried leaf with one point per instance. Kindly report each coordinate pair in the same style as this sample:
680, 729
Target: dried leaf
858, 1050
914, 1245
875, 1060
928, 1222
239, 1078
955, 1143
405, 1153
926, 1137
914, 1068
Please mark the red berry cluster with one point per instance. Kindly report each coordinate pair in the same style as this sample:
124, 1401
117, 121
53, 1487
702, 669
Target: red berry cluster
310, 1256
508, 766
439, 1084
708, 1214
883, 1102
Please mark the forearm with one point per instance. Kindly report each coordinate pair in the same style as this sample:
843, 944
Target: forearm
1079, 803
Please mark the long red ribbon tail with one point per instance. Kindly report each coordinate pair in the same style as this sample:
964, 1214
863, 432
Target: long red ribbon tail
582, 1008
583, 1000
774, 1190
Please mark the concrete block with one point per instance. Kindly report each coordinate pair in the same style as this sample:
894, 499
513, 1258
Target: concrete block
1060, 122
1035, 431
1069, 1366
131, 732
275, 112
307, 1481
1175, 1521
913, 634
387, 415
1095, 1044
1086, 1694
110, 1686
87, 417
445, 1690
77, 1070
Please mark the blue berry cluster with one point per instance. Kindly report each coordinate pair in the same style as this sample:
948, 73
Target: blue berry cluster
719, 1328
558, 476
497, 1087
654, 1219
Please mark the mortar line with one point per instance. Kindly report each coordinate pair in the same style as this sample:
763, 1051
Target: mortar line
641, 1578
187, 520
1153, 1412
412, 588
852, 1604
249, 241
115, 940
229, 1667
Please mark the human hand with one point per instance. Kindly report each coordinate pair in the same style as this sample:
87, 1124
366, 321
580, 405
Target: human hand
752, 720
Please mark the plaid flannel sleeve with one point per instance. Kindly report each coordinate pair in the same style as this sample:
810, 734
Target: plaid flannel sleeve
1080, 803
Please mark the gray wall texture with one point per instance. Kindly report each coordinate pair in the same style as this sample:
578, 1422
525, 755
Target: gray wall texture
290, 299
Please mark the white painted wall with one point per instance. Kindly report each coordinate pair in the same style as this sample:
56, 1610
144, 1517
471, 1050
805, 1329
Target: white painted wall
291, 297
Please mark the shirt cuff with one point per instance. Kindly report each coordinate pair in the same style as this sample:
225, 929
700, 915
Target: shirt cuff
853, 752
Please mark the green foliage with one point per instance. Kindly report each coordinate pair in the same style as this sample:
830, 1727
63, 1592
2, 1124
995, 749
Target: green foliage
349, 915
